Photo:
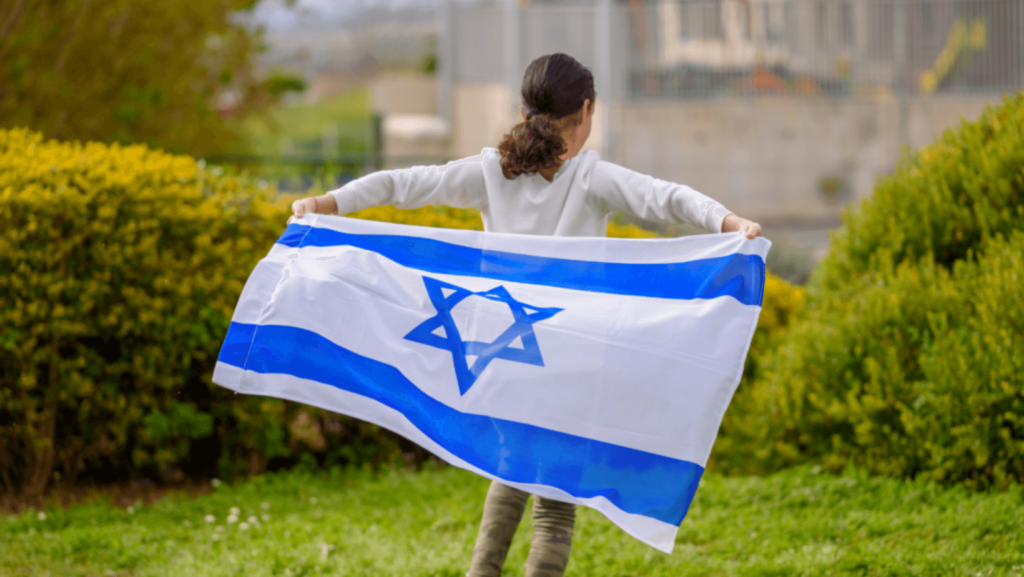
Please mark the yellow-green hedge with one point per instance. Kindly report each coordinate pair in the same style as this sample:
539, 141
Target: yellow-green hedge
468, 219
743, 421
119, 271
908, 359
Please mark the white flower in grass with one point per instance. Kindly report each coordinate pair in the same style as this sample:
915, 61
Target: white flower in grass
264, 505
188, 523
235, 511
220, 527
243, 526
216, 537
265, 517
232, 519
209, 519
215, 482
313, 500
253, 520
131, 510
42, 516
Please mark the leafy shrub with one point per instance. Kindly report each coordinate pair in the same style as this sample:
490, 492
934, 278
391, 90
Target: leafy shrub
972, 372
164, 65
119, 271
782, 302
790, 262
907, 358
165, 436
940, 203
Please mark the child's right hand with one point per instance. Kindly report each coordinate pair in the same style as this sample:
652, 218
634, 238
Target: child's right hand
313, 205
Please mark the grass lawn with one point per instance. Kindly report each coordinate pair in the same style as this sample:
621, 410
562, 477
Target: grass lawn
348, 112
792, 523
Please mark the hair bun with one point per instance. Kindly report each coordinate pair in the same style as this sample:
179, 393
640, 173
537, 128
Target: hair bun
531, 146
559, 85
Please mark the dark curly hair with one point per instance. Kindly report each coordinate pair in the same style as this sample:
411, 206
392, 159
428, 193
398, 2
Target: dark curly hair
554, 87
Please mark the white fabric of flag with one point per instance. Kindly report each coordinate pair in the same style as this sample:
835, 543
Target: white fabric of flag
589, 370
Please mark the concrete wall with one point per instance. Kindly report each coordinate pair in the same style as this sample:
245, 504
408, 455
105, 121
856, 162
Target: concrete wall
404, 94
412, 131
926, 118
482, 113
771, 159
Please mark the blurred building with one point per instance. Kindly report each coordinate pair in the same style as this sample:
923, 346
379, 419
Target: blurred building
785, 110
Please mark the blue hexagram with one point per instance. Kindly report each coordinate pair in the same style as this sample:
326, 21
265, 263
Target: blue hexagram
524, 315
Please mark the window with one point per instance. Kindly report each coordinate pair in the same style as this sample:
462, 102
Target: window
820, 26
701, 20
792, 26
846, 24
746, 28
775, 20
880, 27
711, 21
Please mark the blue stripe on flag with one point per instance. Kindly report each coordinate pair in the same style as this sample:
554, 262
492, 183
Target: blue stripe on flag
237, 343
740, 276
634, 481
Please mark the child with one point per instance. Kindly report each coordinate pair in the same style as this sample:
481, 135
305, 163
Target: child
535, 182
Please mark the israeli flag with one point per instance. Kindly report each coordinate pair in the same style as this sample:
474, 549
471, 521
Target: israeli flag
589, 370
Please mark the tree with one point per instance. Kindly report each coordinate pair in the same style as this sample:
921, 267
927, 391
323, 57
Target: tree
166, 73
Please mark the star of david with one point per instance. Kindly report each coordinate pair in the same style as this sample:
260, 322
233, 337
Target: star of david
445, 296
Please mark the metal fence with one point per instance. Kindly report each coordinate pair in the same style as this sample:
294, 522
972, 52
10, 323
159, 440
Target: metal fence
707, 48
715, 48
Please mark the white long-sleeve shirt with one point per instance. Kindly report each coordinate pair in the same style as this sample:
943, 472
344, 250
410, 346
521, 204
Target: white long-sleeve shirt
575, 203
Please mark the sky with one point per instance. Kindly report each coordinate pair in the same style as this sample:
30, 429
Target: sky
278, 16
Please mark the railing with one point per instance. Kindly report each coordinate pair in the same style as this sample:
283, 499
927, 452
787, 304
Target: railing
323, 163
712, 48
313, 172
715, 48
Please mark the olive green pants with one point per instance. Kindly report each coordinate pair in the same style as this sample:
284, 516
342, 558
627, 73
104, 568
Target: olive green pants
553, 523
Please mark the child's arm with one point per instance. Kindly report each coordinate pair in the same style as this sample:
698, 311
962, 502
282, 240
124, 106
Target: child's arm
459, 183
618, 188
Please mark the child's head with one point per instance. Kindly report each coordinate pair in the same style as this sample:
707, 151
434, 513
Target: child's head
558, 104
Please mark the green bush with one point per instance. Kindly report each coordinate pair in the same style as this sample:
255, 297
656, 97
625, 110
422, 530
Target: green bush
940, 203
119, 271
782, 303
907, 358
974, 374
176, 74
